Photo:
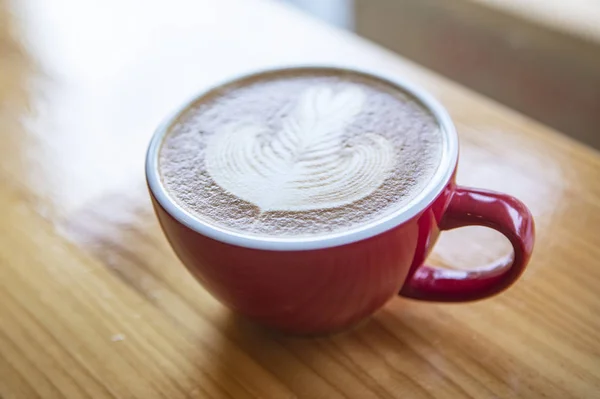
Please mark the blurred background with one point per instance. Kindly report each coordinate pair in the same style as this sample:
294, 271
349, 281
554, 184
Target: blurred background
540, 57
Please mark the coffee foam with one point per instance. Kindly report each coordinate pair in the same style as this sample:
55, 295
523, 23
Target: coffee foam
299, 154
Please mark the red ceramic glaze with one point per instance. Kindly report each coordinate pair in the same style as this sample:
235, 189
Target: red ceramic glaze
329, 284
329, 289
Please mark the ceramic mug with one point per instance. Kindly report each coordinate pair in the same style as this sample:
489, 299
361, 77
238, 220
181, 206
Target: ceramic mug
326, 284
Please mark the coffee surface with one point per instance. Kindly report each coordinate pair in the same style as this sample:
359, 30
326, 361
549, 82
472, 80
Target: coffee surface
299, 153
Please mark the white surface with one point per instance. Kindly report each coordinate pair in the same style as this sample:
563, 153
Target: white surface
578, 17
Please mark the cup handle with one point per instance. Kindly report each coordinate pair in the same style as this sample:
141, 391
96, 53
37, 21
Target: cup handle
473, 207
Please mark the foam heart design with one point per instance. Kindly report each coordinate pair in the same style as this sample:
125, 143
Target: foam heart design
306, 164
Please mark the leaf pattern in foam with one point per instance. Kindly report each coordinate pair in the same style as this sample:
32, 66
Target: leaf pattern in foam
305, 165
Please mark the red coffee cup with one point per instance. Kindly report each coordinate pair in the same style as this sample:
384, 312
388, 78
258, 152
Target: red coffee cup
316, 285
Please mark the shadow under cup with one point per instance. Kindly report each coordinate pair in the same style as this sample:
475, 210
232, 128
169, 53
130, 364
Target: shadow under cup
317, 285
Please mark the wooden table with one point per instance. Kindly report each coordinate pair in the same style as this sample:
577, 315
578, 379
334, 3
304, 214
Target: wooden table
93, 303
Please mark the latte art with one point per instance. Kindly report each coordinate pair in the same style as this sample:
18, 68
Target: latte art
304, 165
299, 153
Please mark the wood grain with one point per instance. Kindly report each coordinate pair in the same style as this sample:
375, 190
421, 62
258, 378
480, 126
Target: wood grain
93, 304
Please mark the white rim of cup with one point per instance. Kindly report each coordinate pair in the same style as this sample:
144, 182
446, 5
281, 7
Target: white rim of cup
418, 204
